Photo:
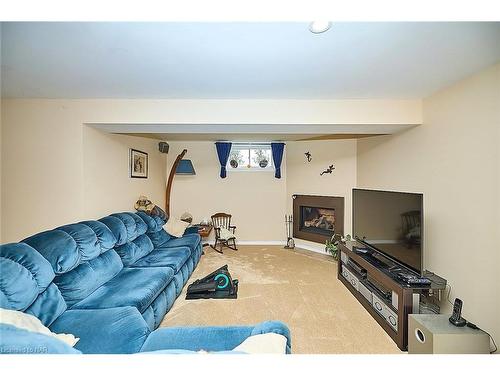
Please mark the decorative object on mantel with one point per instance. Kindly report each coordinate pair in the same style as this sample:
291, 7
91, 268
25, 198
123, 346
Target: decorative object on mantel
138, 164
308, 156
187, 217
223, 150
331, 245
328, 170
290, 244
171, 179
277, 151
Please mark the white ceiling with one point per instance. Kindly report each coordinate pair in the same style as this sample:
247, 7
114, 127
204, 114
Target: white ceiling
241, 60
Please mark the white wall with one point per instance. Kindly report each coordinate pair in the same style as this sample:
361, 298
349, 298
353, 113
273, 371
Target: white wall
454, 159
107, 185
56, 170
257, 200
53, 168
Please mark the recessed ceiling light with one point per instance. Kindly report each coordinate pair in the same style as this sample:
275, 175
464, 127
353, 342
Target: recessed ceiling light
318, 27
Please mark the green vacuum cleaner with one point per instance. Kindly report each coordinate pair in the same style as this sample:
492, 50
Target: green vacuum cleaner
219, 284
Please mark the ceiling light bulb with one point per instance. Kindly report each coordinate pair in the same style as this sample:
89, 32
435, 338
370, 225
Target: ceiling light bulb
318, 27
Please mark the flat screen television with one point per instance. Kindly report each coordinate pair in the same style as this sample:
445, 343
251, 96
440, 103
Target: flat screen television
391, 223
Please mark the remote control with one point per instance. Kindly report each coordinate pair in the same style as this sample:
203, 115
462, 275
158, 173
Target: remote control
412, 280
360, 250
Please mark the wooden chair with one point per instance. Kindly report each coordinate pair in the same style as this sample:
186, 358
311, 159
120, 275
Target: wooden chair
222, 220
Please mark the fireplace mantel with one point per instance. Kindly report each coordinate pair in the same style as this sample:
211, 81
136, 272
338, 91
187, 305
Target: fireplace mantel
302, 204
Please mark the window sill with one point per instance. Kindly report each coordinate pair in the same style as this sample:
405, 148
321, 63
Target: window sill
249, 170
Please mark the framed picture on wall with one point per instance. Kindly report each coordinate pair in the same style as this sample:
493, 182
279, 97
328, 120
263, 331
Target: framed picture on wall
138, 164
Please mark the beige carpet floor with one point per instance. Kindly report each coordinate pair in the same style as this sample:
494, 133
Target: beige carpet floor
297, 287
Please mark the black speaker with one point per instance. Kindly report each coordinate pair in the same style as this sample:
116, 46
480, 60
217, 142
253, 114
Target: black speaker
163, 147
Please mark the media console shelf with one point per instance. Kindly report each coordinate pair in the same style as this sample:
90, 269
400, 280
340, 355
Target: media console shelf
386, 299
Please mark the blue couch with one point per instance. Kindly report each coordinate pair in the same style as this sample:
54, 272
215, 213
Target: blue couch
110, 282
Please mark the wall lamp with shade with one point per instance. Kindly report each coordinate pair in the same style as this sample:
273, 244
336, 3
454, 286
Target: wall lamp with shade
182, 167
185, 167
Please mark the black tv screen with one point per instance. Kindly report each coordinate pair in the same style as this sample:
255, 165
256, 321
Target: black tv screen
391, 223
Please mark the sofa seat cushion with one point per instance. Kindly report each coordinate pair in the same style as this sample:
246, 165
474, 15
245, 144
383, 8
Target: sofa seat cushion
174, 258
191, 240
136, 287
115, 330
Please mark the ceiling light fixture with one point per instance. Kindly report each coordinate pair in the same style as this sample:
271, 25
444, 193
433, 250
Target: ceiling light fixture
318, 27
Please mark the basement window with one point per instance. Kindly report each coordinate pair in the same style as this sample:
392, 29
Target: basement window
250, 157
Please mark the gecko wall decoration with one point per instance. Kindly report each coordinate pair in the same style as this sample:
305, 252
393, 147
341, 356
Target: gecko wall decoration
328, 170
308, 156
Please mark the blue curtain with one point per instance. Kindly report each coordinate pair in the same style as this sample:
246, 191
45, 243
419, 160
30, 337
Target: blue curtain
277, 149
223, 150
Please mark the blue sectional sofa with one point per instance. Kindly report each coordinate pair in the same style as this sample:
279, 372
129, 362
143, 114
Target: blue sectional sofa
110, 282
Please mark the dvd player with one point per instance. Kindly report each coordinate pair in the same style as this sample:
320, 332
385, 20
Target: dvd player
387, 294
357, 268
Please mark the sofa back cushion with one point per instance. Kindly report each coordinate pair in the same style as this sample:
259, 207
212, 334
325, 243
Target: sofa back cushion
48, 306
125, 226
88, 276
80, 256
131, 252
154, 223
155, 230
26, 283
68, 246
129, 230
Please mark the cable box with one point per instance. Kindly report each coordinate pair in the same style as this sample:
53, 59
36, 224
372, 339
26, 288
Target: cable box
357, 268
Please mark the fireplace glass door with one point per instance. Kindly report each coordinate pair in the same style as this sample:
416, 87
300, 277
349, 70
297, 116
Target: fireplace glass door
317, 220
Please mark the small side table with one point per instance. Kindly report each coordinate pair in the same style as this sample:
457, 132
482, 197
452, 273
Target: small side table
204, 231
434, 334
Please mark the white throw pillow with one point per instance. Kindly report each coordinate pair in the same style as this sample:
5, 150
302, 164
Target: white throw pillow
175, 227
31, 323
226, 234
266, 343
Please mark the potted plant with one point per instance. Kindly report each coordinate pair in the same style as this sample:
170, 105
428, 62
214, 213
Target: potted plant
260, 158
235, 159
331, 245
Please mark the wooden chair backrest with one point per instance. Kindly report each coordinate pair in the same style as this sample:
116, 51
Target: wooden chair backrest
221, 220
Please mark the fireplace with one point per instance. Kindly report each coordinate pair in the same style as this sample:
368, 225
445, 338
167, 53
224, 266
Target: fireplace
317, 218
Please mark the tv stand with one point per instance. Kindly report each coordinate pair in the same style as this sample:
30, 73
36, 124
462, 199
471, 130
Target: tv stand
372, 280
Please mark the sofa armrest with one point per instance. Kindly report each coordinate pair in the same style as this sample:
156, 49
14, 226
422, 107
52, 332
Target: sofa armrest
104, 331
15, 340
274, 326
190, 230
210, 339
